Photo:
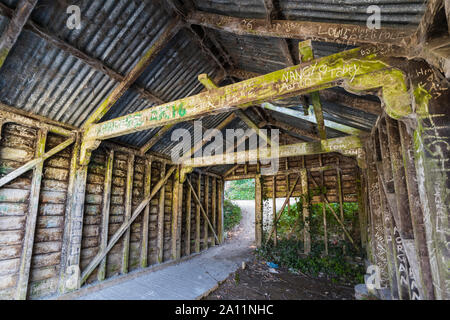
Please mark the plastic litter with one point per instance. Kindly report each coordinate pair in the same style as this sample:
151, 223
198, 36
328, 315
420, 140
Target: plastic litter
272, 265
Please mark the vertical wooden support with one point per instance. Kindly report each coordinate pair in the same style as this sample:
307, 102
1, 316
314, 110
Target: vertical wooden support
101, 274
340, 196
161, 212
205, 226
258, 212
177, 207
214, 208
307, 54
287, 191
197, 215
73, 228
376, 224
324, 209
362, 213
221, 188
398, 172
425, 279
305, 196
188, 221
128, 203
30, 226
146, 216
274, 209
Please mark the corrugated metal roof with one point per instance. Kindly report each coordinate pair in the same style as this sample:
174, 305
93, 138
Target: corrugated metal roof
45, 80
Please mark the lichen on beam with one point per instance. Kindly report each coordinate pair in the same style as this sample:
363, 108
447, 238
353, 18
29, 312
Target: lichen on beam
317, 31
292, 150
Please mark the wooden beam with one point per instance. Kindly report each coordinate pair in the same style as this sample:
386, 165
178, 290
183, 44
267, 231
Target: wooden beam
298, 131
155, 138
280, 213
197, 215
30, 226
221, 194
101, 274
146, 216
206, 206
249, 122
298, 149
99, 257
258, 212
170, 31
188, 221
353, 66
306, 201
307, 54
177, 208
318, 31
14, 28
128, 204
274, 210
32, 163
214, 208
202, 210
161, 213
398, 172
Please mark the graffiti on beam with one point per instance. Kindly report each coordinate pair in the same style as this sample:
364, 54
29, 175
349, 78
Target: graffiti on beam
136, 120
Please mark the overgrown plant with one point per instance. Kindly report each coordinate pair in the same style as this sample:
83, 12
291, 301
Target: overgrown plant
232, 215
240, 190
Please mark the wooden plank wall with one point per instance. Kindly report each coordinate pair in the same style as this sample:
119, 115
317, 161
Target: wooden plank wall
18, 145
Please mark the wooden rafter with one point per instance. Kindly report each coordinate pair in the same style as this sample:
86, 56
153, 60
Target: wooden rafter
279, 84
306, 148
170, 31
318, 31
15, 26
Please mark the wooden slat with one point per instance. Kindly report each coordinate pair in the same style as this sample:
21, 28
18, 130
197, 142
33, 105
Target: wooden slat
258, 212
197, 216
220, 213
105, 212
28, 241
188, 221
206, 208
177, 207
128, 204
214, 208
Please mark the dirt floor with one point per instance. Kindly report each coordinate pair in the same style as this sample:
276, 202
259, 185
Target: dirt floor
257, 282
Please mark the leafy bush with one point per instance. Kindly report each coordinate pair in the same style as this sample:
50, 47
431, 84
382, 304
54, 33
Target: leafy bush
240, 190
232, 215
289, 253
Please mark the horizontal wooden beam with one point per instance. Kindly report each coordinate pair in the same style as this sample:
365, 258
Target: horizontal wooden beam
318, 31
353, 68
293, 150
31, 164
292, 129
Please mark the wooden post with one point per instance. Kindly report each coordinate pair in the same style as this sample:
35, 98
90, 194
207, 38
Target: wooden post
426, 279
161, 212
30, 226
305, 196
398, 172
258, 211
197, 215
362, 213
341, 204
274, 209
128, 203
205, 226
101, 274
188, 221
214, 208
146, 216
221, 188
177, 207
324, 209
